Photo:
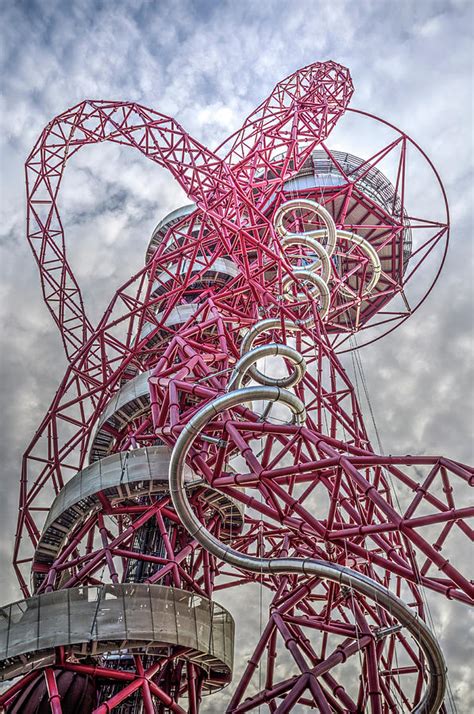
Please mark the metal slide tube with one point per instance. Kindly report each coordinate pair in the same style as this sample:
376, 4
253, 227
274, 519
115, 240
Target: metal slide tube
323, 261
307, 204
372, 255
436, 668
271, 350
270, 323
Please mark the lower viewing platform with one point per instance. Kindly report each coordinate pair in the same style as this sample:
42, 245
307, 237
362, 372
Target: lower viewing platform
134, 617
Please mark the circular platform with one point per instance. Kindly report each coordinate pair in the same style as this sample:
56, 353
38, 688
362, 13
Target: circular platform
127, 404
135, 617
122, 476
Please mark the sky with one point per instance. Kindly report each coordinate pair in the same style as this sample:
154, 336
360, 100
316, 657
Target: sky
209, 64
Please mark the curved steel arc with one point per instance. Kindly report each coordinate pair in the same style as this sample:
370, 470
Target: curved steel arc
255, 197
206, 179
446, 226
436, 686
159, 137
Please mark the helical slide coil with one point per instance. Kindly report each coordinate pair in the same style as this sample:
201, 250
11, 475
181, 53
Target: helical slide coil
311, 239
274, 389
436, 669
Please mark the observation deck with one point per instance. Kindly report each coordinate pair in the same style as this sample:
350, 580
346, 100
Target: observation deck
360, 198
121, 477
137, 617
170, 220
323, 172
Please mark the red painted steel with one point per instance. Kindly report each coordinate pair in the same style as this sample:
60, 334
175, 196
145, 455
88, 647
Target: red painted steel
315, 491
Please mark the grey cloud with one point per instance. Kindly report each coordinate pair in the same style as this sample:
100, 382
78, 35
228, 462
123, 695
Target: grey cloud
210, 64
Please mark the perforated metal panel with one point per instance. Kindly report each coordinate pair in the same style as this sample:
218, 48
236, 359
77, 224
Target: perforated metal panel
96, 620
129, 474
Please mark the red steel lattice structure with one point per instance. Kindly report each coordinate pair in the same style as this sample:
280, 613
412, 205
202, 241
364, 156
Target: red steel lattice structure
288, 249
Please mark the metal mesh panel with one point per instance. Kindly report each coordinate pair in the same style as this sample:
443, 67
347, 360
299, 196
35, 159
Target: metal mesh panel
114, 616
133, 473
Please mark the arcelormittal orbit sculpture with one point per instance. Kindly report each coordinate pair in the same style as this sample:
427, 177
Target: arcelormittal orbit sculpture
206, 434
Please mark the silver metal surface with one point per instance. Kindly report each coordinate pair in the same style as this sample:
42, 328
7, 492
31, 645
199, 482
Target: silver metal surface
135, 617
322, 172
321, 288
307, 204
323, 261
271, 350
127, 404
372, 255
436, 669
266, 325
122, 476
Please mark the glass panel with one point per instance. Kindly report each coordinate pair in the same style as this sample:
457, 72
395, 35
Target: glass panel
89, 480
53, 620
158, 459
56, 508
115, 612
229, 640
5, 624
138, 612
141, 384
110, 409
72, 491
164, 616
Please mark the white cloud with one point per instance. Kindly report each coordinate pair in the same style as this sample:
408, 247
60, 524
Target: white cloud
209, 64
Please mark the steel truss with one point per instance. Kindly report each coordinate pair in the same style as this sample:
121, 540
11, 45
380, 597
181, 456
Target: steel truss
267, 263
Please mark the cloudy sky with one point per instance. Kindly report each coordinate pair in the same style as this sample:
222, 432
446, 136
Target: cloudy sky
209, 64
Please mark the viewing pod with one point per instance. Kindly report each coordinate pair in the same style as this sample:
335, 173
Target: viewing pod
137, 617
122, 477
368, 207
